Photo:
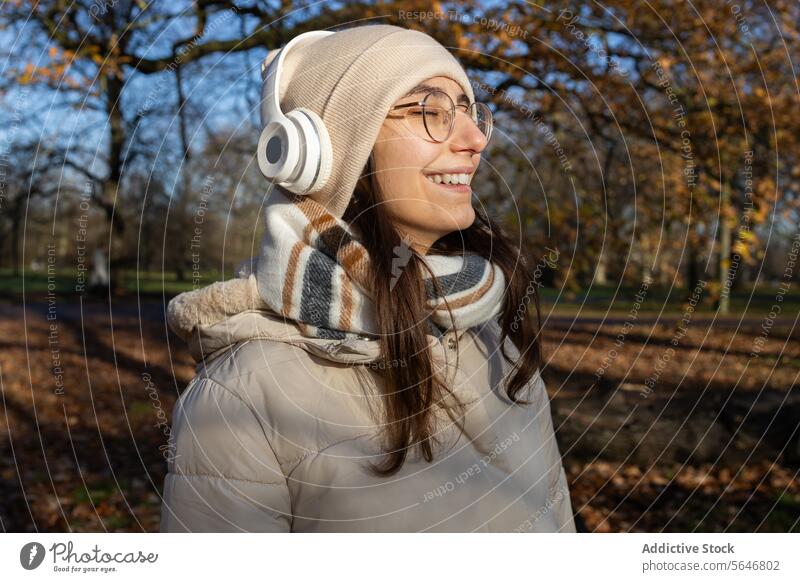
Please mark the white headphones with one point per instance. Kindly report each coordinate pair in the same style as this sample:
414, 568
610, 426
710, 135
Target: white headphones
294, 149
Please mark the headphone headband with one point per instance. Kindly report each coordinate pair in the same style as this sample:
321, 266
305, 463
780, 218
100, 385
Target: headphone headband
294, 149
270, 94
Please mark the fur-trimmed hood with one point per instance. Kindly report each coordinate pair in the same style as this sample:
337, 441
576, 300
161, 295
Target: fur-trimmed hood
215, 317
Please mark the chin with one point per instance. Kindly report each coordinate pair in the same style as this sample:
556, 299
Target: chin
465, 216
459, 218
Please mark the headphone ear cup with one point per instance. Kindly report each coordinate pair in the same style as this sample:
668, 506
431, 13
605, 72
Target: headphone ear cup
315, 150
325, 151
278, 153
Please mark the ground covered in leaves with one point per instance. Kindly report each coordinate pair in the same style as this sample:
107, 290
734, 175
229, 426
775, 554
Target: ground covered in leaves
656, 435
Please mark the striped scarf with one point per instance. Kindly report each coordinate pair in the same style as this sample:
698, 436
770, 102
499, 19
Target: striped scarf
313, 270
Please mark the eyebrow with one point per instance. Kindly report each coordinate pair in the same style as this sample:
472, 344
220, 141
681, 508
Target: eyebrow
425, 88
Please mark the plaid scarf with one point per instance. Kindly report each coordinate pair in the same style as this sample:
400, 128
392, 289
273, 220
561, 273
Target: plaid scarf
313, 270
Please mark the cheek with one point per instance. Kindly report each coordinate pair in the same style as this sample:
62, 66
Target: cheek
435, 211
401, 183
396, 148
410, 196
402, 164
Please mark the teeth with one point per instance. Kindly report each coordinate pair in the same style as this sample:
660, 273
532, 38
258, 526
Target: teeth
450, 178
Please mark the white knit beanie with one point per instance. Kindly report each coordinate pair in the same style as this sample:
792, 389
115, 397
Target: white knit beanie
351, 79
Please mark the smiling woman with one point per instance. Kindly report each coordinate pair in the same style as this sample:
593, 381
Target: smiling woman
430, 153
371, 369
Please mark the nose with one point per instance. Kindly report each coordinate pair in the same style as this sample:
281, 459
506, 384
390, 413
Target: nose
466, 134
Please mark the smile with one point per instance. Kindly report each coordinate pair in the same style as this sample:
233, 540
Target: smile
450, 178
452, 182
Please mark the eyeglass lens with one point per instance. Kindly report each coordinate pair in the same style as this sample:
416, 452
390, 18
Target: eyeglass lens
438, 116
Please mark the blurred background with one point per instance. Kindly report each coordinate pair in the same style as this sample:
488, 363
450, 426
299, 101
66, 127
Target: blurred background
645, 158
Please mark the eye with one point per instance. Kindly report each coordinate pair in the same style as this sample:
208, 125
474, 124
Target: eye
438, 113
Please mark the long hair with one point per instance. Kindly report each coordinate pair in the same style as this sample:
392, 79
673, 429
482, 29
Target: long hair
413, 389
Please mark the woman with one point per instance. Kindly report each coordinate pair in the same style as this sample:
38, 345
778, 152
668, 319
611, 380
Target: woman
361, 374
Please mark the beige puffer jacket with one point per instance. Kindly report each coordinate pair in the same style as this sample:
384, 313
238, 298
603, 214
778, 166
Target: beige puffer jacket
275, 431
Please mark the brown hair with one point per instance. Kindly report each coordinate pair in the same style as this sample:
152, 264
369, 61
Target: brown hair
413, 389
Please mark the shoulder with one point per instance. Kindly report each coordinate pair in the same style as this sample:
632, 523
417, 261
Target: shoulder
489, 334
302, 403
262, 368
249, 359
268, 374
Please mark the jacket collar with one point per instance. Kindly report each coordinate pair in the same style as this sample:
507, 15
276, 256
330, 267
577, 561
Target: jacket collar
216, 317
206, 341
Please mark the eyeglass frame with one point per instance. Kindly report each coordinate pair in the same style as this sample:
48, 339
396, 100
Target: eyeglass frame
453, 111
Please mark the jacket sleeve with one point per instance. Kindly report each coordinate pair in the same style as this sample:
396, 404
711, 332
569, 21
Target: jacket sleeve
563, 504
559, 494
223, 473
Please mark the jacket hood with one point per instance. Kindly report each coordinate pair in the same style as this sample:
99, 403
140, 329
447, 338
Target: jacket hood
213, 318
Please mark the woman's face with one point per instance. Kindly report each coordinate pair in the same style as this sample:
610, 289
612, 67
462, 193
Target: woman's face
405, 163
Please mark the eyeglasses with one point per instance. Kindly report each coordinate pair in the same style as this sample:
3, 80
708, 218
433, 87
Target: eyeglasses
435, 116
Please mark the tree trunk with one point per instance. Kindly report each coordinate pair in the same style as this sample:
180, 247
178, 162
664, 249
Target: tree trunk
692, 277
110, 188
724, 249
